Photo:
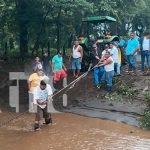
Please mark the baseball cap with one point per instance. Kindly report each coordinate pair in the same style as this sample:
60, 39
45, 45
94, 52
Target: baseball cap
106, 46
94, 46
39, 69
59, 52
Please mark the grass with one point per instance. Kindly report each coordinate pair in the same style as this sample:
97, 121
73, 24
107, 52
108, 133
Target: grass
145, 120
122, 91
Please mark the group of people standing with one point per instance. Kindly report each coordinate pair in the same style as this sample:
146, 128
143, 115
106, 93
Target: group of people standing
109, 59
38, 83
133, 47
106, 64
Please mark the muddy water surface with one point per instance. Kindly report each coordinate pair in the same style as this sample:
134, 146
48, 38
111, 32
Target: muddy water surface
72, 132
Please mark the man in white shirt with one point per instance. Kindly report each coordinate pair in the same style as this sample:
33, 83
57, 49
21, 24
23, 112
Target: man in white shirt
77, 55
33, 81
41, 94
145, 50
106, 49
108, 64
114, 52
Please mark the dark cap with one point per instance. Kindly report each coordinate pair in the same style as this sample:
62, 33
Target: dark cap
94, 46
106, 46
59, 52
39, 70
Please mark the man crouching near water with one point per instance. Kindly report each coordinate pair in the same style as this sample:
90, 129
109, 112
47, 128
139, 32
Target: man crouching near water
41, 95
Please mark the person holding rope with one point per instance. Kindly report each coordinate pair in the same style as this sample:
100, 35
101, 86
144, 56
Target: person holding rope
98, 71
106, 49
33, 82
41, 96
108, 64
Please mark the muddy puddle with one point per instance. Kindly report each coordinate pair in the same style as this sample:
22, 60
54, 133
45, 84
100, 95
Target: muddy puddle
72, 132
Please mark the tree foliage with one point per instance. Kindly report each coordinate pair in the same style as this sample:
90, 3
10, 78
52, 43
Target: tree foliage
31, 24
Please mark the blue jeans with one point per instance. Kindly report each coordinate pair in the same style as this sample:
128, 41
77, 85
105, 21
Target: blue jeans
145, 54
117, 68
98, 74
132, 61
76, 64
109, 78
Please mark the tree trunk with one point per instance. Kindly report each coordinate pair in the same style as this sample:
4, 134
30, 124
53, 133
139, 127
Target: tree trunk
23, 41
6, 49
58, 27
48, 47
36, 45
21, 6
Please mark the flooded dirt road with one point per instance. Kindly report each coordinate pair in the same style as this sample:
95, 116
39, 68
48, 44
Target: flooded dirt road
72, 132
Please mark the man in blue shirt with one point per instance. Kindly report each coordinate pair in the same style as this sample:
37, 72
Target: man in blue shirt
132, 48
57, 67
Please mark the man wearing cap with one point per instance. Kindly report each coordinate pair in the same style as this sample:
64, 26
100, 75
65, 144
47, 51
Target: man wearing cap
108, 64
41, 95
105, 50
98, 71
57, 67
37, 64
77, 56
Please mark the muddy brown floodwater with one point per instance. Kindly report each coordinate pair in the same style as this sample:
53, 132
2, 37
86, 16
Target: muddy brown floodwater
72, 132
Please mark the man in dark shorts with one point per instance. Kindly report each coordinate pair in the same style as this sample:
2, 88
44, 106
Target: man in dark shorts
40, 96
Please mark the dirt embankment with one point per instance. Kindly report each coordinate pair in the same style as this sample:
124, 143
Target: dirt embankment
126, 102
84, 99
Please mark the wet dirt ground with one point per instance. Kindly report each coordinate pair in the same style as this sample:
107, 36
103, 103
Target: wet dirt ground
72, 132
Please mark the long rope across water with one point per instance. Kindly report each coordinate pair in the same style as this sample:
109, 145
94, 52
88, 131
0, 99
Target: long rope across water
69, 86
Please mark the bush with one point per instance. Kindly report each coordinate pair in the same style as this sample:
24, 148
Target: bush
145, 120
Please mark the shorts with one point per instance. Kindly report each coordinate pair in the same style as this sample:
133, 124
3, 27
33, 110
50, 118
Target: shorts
60, 74
76, 64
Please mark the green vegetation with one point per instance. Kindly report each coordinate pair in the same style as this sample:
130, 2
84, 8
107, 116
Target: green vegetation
122, 91
26, 26
114, 97
145, 120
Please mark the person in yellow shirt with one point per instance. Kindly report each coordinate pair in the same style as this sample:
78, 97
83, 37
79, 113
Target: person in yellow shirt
33, 81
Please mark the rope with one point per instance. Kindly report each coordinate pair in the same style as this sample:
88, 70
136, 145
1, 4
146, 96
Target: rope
70, 86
